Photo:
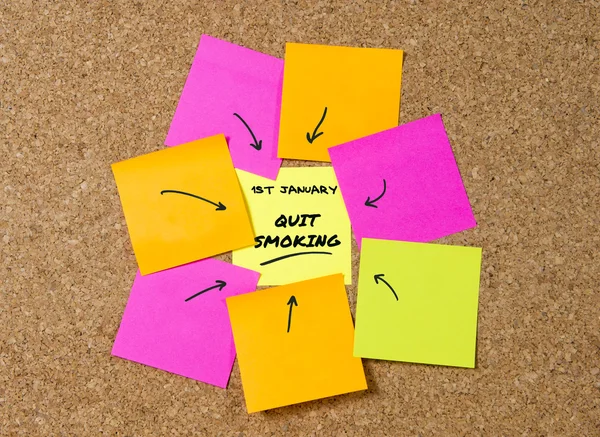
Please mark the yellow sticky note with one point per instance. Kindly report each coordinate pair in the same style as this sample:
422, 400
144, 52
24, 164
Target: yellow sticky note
294, 343
301, 225
182, 204
332, 95
417, 302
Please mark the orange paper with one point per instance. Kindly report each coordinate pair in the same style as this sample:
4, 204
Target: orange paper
332, 95
294, 343
183, 204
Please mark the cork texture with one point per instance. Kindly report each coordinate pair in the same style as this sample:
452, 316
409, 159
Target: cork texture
88, 83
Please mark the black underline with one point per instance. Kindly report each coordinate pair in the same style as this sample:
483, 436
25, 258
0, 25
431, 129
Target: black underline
293, 254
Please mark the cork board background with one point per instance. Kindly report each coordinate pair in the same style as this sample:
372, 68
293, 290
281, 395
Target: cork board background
88, 83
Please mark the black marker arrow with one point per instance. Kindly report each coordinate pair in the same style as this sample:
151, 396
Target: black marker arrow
220, 206
380, 278
316, 135
291, 303
370, 202
220, 285
257, 144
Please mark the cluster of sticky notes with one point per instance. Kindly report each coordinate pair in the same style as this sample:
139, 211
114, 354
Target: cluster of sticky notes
310, 230
219, 188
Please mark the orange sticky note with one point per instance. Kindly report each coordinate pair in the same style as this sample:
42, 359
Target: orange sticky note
294, 343
183, 204
332, 95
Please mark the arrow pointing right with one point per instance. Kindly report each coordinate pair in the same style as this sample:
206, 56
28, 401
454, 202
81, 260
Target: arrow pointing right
220, 206
220, 285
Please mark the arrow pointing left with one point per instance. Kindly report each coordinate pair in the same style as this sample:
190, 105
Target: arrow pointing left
370, 202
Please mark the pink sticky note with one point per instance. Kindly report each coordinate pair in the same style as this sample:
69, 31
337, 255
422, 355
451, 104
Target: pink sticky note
235, 91
403, 184
176, 320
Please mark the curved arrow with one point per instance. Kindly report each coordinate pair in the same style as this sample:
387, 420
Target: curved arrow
220, 285
316, 135
291, 303
220, 206
257, 144
370, 202
380, 278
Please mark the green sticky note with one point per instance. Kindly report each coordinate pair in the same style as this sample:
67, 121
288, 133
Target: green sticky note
417, 302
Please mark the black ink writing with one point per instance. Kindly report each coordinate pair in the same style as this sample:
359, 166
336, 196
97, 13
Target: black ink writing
286, 241
261, 190
291, 221
295, 189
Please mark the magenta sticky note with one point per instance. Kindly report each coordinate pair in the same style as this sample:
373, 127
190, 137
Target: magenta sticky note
237, 92
403, 184
176, 320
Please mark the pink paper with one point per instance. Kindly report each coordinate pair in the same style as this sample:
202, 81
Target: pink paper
226, 79
424, 198
193, 339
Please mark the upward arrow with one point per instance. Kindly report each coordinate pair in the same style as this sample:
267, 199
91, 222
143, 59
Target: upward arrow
291, 303
379, 277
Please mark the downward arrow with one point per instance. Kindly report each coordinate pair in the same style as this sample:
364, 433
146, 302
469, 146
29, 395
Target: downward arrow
257, 144
310, 138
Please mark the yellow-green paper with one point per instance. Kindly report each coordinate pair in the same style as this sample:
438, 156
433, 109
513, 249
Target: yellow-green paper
417, 302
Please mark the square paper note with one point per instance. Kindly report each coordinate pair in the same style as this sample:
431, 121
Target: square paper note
332, 95
294, 343
235, 91
417, 303
182, 204
177, 320
403, 184
301, 225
